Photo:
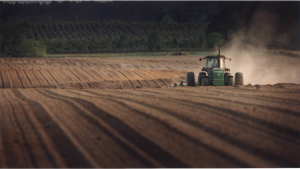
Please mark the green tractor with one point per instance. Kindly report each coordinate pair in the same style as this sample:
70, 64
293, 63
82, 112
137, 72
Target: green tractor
215, 73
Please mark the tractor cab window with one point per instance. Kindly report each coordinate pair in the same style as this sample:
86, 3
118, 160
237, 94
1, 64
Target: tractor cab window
213, 63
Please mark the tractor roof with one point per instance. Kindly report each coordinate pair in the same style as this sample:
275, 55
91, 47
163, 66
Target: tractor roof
214, 56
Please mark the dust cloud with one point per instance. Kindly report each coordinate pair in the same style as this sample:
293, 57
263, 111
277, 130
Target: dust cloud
264, 69
259, 68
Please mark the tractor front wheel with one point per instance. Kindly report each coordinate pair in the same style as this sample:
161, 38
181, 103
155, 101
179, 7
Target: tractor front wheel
230, 81
205, 81
190, 79
200, 78
239, 78
226, 75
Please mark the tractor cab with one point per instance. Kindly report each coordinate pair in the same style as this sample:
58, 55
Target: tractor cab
212, 61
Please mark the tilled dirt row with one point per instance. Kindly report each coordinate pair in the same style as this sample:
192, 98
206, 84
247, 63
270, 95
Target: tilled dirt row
242, 126
84, 73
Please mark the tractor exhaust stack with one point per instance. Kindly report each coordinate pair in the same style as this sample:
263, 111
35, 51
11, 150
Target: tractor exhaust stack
219, 59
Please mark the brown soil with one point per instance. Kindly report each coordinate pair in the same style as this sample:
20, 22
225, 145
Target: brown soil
83, 73
123, 112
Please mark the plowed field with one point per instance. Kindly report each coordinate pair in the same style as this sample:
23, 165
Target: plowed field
84, 73
123, 112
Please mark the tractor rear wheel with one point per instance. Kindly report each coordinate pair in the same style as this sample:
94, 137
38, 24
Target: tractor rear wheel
205, 81
226, 78
200, 78
239, 78
190, 79
230, 81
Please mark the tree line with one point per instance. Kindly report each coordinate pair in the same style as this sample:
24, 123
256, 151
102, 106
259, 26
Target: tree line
91, 36
56, 27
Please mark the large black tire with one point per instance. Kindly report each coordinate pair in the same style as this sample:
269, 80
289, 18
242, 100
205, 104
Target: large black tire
205, 81
230, 81
190, 79
226, 78
239, 78
200, 78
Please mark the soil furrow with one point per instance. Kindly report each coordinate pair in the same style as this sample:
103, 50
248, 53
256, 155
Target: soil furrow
151, 82
91, 141
90, 74
127, 78
1, 80
17, 83
23, 78
267, 95
61, 63
143, 77
120, 76
63, 76
112, 75
94, 119
133, 79
64, 145
32, 79
250, 148
260, 96
82, 77
40, 77
98, 76
177, 123
87, 74
111, 66
239, 101
48, 77
212, 107
136, 113
80, 62
57, 77
159, 82
2, 155
122, 128
74, 75
71, 77
12, 141
145, 81
134, 75
40, 154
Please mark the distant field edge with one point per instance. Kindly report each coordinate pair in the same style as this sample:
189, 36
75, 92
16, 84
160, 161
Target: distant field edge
160, 54
132, 54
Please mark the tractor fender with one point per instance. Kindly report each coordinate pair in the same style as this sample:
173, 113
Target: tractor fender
205, 73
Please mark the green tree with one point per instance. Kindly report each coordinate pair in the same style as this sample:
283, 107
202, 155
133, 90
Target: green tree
175, 43
154, 42
202, 40
215, 39
14, 42
32, 48
122, 42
